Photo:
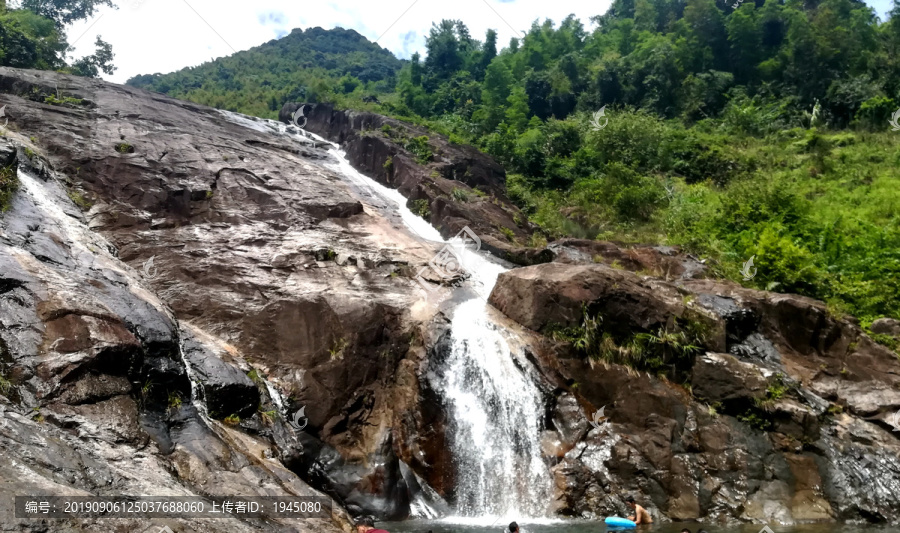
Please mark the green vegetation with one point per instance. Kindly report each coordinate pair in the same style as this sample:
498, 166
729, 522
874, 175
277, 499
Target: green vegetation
232, 420
255, 377
756, 131
459, 195
388, 163
63, 101
422, 208
667, 351
337, 349
79, 199
33, 37
124, 148
9, 182
313, 65
5, 386
420, 148
269, 417
174, 401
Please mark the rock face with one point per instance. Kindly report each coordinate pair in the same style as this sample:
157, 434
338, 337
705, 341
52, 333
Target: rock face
451, 185
797, 417
213, 248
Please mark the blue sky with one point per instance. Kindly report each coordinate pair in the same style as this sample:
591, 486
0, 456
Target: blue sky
165, 35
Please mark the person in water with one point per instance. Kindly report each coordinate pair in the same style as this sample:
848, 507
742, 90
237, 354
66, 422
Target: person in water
641, 516
513, 527
366, 524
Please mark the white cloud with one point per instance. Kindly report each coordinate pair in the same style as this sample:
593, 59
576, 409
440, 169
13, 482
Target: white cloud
151, 36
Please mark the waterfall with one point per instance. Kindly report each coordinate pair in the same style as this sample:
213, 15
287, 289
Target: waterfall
495, 409
496, 415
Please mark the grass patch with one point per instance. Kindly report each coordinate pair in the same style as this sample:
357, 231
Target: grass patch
421, 208
459, 195
175, 401
420, 148
124, 148
63, 101
9, 182
79, 199
232, 420
336, 352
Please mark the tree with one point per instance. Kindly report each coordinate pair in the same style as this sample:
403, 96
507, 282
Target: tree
517, 112
64, 12
538, 89
101, 60
415, 69
495, 93
488, 53
444, 57
28, 40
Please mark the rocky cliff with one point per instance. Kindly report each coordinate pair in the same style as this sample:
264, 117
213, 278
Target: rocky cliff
152, 242
719, 402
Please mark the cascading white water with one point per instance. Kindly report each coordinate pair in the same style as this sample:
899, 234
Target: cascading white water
496, 410
496, 418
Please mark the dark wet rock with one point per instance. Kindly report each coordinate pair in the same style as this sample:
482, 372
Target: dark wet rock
721, 378
226, 389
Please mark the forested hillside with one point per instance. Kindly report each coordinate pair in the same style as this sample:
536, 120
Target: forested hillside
737, 130
302, 66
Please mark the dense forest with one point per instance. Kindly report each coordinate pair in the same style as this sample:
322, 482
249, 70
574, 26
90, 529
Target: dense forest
737, 130
32, 36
